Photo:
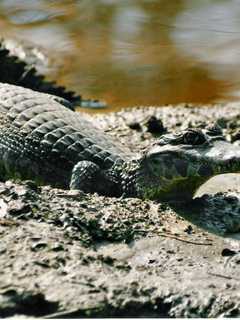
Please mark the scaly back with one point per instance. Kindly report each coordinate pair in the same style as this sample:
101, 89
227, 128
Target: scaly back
43, 130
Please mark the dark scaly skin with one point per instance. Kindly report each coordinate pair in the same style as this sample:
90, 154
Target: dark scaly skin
43, 140
180, 163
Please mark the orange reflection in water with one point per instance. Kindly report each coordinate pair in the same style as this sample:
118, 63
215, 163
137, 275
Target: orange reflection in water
127, 53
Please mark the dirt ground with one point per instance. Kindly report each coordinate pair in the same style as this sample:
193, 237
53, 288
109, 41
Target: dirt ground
67, 254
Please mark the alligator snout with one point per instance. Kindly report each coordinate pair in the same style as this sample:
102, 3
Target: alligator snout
224, 157
176, 171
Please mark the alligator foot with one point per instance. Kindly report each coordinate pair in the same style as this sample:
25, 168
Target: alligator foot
84, 176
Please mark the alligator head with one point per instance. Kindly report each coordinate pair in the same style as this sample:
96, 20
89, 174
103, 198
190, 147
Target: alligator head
178, 164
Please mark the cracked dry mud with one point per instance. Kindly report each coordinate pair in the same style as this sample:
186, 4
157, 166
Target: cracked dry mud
67, 254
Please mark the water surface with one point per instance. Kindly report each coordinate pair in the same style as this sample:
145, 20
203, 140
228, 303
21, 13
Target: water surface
135, 52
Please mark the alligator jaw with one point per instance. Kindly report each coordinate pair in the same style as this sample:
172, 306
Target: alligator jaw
176, 172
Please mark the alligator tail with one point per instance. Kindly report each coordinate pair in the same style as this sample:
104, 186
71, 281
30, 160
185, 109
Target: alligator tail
18, 71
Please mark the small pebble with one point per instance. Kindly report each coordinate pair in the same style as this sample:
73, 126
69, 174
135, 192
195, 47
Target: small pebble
228, 252
155, 125
38, 246
134, 125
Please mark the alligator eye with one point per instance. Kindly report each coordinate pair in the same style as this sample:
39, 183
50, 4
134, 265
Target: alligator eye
194, 137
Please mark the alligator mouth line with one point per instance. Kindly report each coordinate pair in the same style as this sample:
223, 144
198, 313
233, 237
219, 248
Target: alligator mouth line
168, 173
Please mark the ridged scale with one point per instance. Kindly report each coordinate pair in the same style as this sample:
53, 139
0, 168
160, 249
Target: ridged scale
44, 134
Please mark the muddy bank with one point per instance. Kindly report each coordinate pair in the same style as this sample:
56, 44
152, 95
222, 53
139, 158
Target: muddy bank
69, 254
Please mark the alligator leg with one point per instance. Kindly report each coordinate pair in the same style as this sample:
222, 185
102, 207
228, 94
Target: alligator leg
84, 176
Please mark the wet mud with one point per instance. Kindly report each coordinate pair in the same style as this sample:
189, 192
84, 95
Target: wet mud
67, 254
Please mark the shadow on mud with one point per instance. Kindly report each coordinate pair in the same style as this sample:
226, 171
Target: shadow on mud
218, 213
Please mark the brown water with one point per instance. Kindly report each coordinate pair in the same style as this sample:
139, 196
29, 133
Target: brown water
136, 52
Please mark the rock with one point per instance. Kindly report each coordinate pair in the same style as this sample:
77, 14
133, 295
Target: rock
228, 252
17, 208
134, 125
155, 125
39, 246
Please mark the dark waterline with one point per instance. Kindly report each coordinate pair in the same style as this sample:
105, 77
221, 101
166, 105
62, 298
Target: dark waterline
135, 52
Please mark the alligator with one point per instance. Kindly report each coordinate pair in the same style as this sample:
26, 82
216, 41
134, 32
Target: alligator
23, 72
43, 140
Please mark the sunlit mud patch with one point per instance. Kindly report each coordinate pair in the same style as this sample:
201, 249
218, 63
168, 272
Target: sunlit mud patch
220, 183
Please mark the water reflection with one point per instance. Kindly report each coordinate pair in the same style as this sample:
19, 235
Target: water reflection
215, 41
135, 52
